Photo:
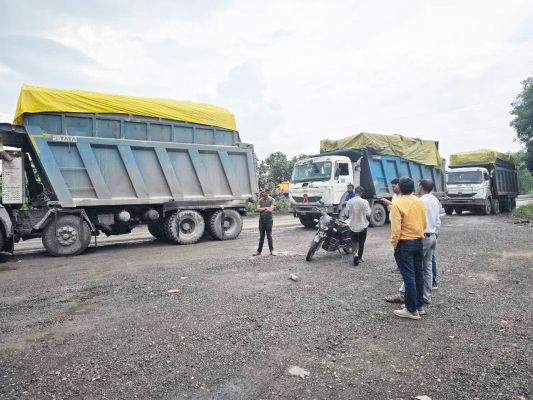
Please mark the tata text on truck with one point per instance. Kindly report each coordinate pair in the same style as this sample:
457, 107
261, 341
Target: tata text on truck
77, 164
481, 181
369, 160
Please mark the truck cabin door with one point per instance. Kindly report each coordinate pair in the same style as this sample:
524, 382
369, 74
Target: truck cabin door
341, 178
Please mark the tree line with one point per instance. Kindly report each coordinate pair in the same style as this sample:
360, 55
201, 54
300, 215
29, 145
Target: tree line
276, 168
522, 122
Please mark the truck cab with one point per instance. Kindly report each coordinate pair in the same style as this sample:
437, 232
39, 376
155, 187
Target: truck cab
483, 181
320, 181
468, 188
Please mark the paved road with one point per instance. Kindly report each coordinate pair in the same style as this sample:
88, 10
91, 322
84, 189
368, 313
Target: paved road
524, 199
104, 324
141, 234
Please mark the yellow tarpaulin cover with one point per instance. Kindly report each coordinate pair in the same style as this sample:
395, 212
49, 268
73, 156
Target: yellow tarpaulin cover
418, 150
34, 99
482, 156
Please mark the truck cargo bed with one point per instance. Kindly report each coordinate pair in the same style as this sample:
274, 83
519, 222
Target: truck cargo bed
104, 160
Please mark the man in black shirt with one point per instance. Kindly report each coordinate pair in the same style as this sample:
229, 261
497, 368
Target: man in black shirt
265, 206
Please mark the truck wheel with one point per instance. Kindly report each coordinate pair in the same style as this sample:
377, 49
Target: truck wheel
157, 230
378, 215
458, 211
495, 206
513, 204
68, 235
487, 208
184, 227
448, 210
307, 221
225, 224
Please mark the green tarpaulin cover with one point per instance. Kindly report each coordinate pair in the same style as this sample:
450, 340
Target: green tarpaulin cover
482, 156
417, 150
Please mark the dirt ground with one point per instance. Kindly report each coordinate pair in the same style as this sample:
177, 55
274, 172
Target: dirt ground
103, 325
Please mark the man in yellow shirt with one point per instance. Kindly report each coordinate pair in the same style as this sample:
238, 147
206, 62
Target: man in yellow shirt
408, 223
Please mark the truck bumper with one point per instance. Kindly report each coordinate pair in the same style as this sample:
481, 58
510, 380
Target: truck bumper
455, 202
305, 210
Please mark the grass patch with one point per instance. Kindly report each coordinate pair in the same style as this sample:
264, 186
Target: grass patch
524, 211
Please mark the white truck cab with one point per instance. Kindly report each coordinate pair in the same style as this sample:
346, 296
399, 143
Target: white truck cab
320, 180
468, 188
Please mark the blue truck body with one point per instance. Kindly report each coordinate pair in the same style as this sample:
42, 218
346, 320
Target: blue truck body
377, 170
365, 167
117, 171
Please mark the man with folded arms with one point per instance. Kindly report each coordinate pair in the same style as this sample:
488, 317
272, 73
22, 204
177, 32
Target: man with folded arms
408, 224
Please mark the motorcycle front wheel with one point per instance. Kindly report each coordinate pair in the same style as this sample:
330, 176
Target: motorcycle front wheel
312, 249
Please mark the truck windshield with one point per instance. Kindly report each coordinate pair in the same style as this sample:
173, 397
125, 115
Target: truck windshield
465, 177
319, 171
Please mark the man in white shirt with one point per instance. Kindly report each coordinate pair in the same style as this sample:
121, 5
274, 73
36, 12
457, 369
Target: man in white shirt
429, 242
359, 211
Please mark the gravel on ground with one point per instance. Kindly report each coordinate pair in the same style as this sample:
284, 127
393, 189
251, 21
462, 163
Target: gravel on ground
151, 320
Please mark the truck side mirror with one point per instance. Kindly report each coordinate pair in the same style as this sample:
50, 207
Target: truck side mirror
337, 173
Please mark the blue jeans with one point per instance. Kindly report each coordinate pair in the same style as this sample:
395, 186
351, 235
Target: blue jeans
434, 268
409, 255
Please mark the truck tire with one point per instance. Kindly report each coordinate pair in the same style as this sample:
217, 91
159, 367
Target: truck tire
448, 210
225, 224
68, 235
307, 220
495, 206
157, 230
378, 215
458, 211
513, 204
487, 208
184, 227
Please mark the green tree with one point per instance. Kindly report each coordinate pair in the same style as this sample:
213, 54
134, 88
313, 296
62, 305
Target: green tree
298, 158
523, 119
276, 168
525, 177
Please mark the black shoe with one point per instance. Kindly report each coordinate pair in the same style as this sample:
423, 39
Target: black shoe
355, 260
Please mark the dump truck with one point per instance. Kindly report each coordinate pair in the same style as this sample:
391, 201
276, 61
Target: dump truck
367, 159
78, 164
481, 181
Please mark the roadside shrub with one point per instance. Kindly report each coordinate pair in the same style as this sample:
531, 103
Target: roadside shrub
282, 206
251, 208
524, 211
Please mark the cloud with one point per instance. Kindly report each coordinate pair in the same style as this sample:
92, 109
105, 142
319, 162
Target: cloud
47, 59
293, 73
258, 116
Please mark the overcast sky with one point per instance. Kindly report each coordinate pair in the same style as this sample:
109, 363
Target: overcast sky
292, 72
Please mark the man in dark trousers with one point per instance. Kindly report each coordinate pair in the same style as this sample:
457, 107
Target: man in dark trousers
358, 211
265, 206
408, 224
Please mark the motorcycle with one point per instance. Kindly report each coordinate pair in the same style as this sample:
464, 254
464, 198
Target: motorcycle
332, 235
